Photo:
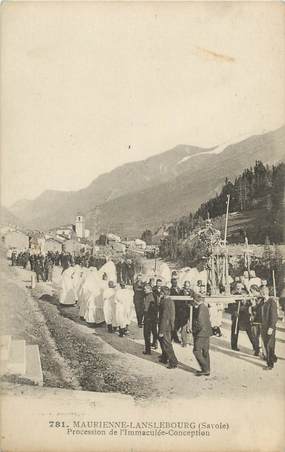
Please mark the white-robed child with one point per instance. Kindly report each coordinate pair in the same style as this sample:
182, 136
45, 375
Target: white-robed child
123, 300
82, 299
67, 294
109, 306
91, 292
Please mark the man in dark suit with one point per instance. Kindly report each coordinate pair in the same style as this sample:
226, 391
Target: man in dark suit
175, 290
256, 318
130, 272
119, 269
165, 328
202, 331
39, 267
268, 326
139, 299
150, 319
157, 291
240, 314
65, 260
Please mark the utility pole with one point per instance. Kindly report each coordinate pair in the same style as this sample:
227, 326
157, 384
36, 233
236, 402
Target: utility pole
227, 216
226, 258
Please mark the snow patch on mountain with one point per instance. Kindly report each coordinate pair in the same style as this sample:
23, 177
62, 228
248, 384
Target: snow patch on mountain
218, 149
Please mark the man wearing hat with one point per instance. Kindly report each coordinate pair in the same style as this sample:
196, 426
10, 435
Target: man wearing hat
268, 326
139, 299
182, 314
150, 319
157, 291
256, 318
165, 328
202, 331
174, 290
240, 315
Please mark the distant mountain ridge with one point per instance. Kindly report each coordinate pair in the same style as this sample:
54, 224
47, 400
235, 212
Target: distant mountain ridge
7, 217
53, 208
144, 194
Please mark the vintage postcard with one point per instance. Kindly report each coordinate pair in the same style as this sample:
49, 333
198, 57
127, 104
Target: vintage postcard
142, 247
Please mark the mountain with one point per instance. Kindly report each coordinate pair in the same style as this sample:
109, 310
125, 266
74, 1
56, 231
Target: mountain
144, 194
53, 208
7, 217
200, 181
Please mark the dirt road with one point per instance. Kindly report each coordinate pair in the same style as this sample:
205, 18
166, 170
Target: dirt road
76, 356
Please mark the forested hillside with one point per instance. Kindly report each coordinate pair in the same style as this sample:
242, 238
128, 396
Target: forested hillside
256, 210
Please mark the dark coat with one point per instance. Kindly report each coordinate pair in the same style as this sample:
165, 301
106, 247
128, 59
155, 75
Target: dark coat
166, 315
269, 315
175, 290
138, 292
65, 260
149, 304
202, 325
241, 309
257, 311
124, 272
129, 270
119, 269
157, 295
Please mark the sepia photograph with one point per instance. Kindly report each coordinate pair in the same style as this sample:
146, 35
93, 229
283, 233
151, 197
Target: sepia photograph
142, 249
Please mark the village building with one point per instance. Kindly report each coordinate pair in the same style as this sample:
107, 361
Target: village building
65, 232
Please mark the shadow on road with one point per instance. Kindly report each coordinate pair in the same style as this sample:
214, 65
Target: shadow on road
237, 355
125, 345
128, 344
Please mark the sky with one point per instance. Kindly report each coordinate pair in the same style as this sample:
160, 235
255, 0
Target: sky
89, 86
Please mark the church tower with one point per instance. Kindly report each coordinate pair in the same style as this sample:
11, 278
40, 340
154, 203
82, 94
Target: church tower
80, 226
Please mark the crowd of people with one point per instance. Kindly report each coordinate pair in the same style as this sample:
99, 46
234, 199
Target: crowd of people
105, 296
40, 263
111, 293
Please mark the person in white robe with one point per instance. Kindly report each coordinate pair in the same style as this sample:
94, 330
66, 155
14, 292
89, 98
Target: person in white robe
67, 295
109, 306
123, 301
130, 309
110, 269
103, 284
93, 313
81, 294
76, 280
